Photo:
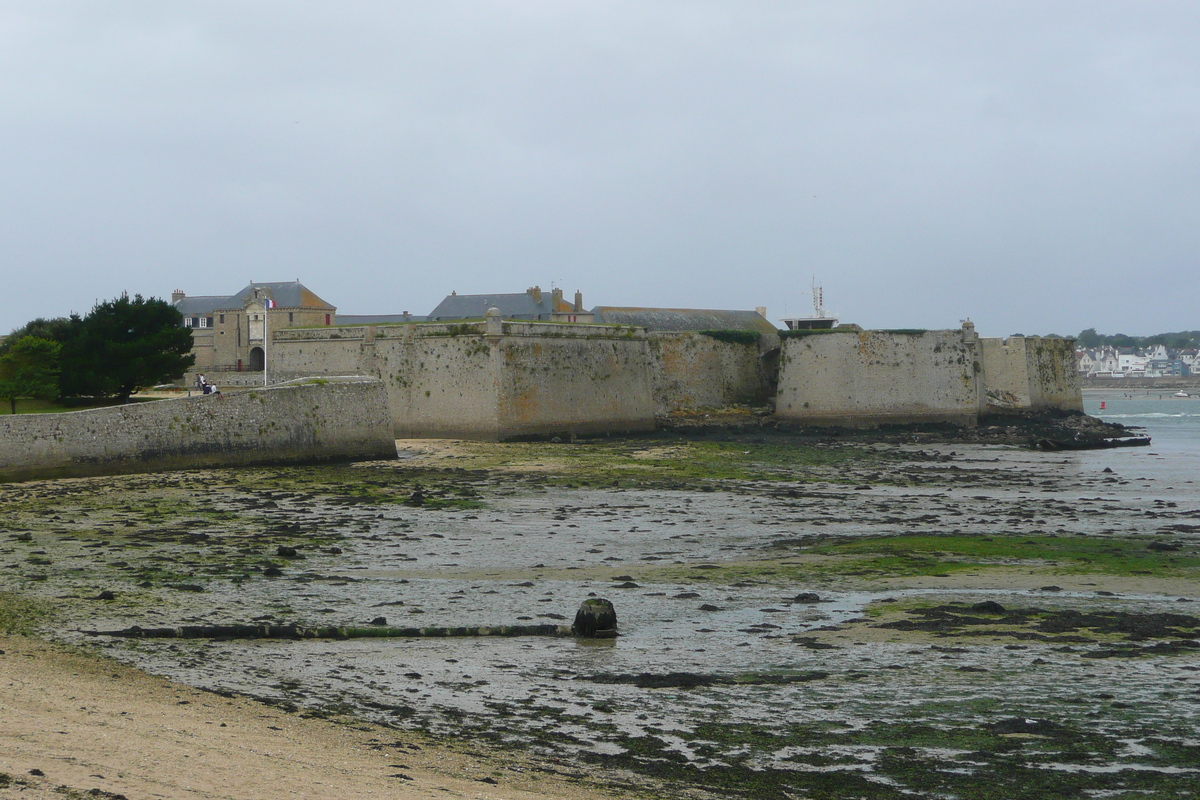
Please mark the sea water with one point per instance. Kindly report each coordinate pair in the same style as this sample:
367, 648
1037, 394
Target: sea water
1172, 423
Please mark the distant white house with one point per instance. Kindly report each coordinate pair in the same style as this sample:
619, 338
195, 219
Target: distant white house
1085, 361
1157, 361
1132, 364
1106, 364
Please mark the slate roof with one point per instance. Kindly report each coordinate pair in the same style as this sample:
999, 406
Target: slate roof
287, 294
512, 306
290, 294
378, 319
201, 306
683, 319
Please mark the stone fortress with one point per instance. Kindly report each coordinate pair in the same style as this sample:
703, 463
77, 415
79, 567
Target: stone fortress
504, 366
493, 367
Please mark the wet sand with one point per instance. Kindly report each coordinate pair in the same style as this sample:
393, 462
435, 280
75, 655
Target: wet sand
88, 724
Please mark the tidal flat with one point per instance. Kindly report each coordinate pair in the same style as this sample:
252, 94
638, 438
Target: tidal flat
811, 618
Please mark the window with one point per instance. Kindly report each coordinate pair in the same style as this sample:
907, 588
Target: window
221, 318
187, 322
204, 322
290, 320
326, 319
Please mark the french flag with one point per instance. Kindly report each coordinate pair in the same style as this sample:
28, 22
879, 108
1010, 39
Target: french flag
268, 302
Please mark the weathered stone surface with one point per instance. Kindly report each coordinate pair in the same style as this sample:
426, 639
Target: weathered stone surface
509, 379
333, 420
596, 619
1031, 372
871, 378
466, 380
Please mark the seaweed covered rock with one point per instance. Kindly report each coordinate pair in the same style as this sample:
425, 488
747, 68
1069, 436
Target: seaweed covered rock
596, 619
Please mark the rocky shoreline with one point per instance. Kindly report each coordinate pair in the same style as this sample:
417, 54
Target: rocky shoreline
823, 617
1046, 430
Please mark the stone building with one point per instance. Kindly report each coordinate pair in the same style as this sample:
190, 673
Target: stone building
531, 305
230, 334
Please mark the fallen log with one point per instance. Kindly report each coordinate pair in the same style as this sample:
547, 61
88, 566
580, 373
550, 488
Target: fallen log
326, 632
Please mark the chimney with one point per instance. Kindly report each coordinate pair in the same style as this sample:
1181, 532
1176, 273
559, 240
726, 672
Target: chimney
535, 292
578, 300
762, 311
556, 295
176, 296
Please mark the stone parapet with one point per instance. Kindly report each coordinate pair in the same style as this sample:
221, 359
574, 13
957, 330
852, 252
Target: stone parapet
307, 421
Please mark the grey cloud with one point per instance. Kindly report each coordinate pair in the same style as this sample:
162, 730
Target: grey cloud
1030, 165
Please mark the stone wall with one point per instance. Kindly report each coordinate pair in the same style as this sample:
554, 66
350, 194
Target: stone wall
1189, 382
869, 378
1053, 374
345, 419
691, 370
499, 379
439, 385
556, 385
488, 380
1031, 373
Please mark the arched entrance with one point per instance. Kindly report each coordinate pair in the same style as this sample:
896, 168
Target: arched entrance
256, 359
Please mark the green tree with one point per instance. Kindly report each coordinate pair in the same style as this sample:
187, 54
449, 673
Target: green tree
29, 368
124, 345
1089, 338
56, 330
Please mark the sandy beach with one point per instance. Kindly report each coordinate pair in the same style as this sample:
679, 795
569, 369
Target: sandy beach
96, 728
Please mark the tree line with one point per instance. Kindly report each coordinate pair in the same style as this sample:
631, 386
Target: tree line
1175, 341
121, 346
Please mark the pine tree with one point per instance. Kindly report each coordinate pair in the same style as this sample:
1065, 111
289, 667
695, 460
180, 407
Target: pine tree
124, 345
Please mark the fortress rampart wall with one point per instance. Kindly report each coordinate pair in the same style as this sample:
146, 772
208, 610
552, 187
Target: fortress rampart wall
550, 385
692, 370
1053, 374
337, 419
1031, 373
494, 379
489, 380
869, 378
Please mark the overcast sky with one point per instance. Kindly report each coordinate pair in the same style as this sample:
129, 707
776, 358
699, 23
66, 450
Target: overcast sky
1034, 166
